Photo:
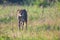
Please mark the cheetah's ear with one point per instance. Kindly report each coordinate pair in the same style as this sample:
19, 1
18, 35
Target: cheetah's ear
18, 10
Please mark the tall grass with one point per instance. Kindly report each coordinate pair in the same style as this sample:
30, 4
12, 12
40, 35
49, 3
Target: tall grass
46, 27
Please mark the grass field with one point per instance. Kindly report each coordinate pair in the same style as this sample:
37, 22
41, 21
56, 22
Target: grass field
41, 25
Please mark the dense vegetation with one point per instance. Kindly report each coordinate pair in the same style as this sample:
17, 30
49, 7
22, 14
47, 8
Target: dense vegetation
29, 2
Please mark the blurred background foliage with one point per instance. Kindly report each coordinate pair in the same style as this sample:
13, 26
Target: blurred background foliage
29, 2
